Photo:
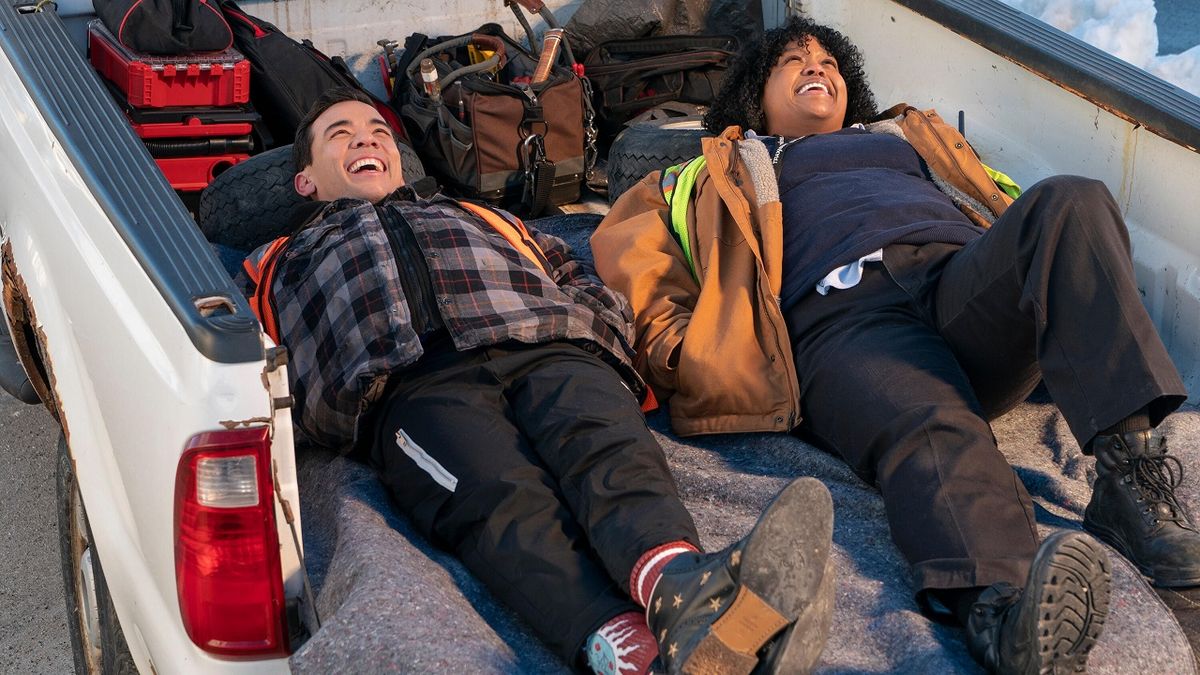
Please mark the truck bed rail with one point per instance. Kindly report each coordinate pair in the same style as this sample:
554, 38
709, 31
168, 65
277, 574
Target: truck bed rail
1119, 87
128, 186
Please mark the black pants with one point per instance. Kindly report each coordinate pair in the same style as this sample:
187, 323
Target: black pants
900, 374
535, 466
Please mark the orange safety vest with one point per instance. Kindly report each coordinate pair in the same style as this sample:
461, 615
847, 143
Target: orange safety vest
261, 269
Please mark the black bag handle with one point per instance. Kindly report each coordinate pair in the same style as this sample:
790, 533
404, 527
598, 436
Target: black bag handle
182, 11
412, 44
664, 44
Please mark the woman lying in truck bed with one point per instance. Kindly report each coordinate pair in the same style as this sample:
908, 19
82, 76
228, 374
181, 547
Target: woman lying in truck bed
918, 301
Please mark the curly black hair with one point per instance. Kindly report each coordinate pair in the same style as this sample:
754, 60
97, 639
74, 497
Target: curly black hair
740, 99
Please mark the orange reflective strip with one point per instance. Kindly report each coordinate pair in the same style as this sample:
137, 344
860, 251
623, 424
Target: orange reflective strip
261, 302
514, 233
253, 270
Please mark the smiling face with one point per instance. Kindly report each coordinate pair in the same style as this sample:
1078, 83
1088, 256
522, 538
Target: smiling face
805, 94
353, 155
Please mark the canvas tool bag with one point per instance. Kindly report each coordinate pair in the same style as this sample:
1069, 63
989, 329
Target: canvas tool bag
491, 135
166, 27
629, 76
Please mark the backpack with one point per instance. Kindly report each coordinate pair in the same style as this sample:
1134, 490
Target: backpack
287, 76
260, 267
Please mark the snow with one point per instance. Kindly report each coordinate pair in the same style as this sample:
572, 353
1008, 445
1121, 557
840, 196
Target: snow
1123, 28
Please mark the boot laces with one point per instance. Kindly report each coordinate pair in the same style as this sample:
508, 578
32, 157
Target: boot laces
1155, 476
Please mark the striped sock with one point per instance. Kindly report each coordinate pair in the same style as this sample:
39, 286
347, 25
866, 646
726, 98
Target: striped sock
649, 568
622, 646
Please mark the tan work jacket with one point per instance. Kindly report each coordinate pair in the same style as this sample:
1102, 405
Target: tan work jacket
714, 343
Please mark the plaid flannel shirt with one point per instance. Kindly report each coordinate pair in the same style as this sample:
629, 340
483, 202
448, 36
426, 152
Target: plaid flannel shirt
343, 315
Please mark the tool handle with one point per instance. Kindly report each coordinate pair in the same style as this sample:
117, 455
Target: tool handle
550, 44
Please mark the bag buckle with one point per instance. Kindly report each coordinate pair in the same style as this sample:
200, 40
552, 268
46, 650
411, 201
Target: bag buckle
539, 174
533, 152
590, 134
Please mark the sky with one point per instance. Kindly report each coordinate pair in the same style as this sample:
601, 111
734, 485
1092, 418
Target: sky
1123, 28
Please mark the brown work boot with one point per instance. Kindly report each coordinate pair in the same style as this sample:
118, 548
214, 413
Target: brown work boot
767, 598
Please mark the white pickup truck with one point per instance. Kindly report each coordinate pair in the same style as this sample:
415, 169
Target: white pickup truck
177, 467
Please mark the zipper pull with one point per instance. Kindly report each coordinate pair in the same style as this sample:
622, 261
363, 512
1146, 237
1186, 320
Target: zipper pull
525, 89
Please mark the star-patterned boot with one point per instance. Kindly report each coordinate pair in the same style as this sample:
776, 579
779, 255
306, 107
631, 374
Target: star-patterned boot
767, 598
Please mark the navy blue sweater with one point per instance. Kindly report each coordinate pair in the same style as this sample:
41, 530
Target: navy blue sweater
849, 193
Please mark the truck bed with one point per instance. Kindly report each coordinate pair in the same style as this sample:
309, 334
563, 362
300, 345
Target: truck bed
389, 601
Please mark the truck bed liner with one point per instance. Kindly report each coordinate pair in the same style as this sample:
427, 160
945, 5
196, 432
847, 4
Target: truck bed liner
391, 601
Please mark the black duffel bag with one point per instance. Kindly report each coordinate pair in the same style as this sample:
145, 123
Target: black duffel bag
632, 75
166, 27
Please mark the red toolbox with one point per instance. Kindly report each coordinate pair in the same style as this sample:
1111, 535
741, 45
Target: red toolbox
197, 133
209, 79
192, 128
195, 122
192, 174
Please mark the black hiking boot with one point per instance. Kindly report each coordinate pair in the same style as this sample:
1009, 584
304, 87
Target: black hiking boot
1134, 508
1051, 626
766, 601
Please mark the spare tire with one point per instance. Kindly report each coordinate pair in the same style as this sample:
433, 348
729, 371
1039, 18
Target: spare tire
651, 146
250, 203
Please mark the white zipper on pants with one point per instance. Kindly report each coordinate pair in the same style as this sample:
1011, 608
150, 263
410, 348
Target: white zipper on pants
428, 464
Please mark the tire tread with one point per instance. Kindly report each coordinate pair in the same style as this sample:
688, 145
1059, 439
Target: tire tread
116, 658
647, 147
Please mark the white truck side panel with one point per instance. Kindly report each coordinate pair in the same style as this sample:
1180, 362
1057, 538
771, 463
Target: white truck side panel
108, 330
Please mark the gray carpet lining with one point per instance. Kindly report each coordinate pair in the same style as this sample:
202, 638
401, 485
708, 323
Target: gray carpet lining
392, 602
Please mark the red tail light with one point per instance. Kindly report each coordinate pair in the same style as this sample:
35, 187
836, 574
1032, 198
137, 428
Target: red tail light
226, 547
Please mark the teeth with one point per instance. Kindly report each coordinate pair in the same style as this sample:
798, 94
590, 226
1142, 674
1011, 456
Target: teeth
814, 85
366, 162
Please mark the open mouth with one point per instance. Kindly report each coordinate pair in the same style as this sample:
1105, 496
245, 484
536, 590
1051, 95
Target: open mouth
814, 87
367, 165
